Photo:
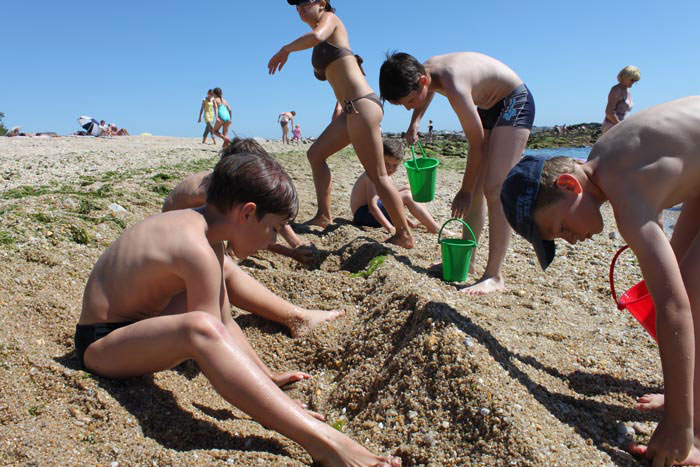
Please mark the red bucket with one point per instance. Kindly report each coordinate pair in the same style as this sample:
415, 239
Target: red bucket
636, 300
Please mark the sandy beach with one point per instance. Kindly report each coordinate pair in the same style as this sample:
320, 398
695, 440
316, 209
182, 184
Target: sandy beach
544, 374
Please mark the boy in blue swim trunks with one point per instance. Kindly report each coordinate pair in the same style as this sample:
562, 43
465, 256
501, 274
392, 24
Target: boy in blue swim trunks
496, 111
367, 207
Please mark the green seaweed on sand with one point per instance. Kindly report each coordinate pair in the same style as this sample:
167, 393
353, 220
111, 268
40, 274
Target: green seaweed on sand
371, 267
79, 235
339, 424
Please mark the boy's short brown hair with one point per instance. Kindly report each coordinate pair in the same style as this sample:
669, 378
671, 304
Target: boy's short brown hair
239, 145
393, 148
256, 178
548, 192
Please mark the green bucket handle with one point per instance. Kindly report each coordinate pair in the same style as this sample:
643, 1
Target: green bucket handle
463, 223
413, 153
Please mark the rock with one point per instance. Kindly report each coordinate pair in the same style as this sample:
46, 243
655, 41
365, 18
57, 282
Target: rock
612, 235
117, 209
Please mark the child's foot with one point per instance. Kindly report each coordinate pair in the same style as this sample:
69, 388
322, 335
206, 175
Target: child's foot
485, 286
650, 402
319, 221
339, 450
404, 240
288, 377
639, 450
305, 320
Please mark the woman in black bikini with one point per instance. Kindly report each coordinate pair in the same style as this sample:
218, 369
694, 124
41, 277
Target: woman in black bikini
359, 122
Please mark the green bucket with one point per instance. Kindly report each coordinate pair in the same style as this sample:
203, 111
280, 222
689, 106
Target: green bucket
422, 174
456, 254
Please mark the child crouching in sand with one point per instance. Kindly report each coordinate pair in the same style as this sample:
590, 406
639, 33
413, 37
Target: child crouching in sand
642, 165
156, 297
251, 295
191, 193
367, 207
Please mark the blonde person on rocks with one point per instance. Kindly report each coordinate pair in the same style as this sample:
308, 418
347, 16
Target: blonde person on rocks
156, 298
620, 98
647, 163
496, 111
359, 121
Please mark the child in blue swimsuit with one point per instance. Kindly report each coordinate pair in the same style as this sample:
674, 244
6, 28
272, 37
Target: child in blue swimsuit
223, 113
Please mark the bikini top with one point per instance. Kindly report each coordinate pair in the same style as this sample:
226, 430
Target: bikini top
326, 53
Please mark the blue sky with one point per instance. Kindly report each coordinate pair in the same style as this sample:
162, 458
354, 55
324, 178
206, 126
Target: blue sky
146, 65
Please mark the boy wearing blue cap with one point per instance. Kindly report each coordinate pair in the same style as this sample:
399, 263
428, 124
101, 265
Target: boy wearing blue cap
641, 166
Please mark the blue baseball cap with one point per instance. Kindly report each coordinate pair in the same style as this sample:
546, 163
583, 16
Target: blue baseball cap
518, 196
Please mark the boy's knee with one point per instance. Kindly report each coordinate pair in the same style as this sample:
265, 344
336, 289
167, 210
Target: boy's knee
406, 196
200, 327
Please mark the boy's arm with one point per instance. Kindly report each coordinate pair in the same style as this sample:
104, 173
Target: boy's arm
202, 271
372, 198
463, 105
674, 329
412, 132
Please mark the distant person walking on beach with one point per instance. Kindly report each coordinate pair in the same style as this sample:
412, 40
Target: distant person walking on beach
284, 118
223, 113
430, 131
296, 134
359, 122
208, 109
496, 111
620, 98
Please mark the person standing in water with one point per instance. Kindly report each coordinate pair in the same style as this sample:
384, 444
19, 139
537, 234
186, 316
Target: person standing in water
359, 122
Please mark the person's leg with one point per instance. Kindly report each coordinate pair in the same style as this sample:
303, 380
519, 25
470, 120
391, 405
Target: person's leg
290, 236
333, 139
207, 128
506, 146
285, 134
250, 295
419, 211
366, 137
219, 124
226, 125
160, 343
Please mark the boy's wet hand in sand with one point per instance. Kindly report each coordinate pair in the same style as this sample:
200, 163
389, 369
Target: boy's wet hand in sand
305, 254
461, 203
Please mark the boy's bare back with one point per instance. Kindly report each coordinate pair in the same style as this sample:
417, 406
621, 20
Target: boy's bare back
658, 150
486, 79
190, 192
139, 274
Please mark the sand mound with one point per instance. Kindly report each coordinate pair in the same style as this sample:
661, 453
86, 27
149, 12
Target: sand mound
544, 373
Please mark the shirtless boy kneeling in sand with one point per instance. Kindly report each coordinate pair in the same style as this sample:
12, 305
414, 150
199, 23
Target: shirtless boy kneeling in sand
156, 298
250, 295
643, 165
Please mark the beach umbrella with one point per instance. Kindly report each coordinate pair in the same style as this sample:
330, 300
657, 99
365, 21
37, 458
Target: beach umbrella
90, 125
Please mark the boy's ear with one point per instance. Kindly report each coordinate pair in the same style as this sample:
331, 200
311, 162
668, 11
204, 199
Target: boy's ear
570, 183
247, 211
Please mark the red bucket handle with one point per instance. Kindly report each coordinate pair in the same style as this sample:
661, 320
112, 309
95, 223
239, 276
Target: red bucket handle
612, 277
